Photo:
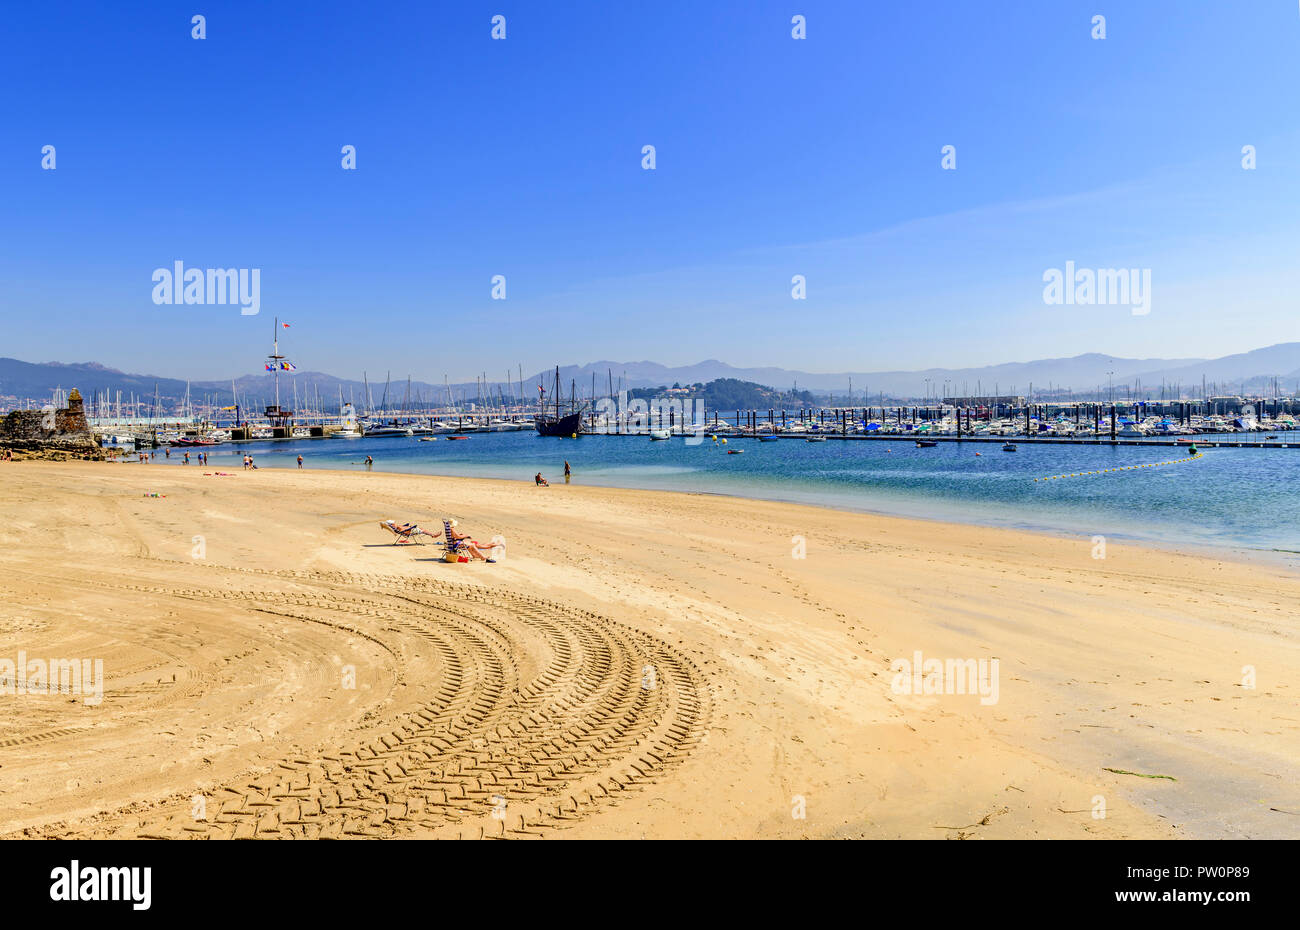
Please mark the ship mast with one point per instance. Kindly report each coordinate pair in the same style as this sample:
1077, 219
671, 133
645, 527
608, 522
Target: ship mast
276, 358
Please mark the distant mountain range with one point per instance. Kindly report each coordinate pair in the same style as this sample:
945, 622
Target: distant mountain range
1082, 373
1251, 371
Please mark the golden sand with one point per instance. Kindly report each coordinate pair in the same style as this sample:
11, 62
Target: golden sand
640, 664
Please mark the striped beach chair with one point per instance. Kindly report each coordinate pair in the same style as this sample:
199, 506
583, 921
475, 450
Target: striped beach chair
451, 544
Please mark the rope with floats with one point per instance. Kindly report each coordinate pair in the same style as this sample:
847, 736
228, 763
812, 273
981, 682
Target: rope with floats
1105, 471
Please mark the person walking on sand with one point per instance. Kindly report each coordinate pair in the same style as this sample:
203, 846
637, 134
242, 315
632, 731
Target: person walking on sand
187, 459
300, 461
566, 471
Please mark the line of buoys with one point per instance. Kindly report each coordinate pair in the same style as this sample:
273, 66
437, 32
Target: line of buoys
1105, 471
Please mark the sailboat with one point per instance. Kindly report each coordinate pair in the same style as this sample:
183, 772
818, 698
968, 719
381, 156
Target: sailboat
348, 416
561, 424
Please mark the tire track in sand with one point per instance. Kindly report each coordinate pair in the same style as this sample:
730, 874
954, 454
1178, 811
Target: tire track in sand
524, 715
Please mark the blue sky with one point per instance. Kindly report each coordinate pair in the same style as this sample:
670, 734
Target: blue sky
522, 157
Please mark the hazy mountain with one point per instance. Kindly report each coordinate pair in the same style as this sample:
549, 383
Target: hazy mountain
38, 380
1081, 373
1281, 361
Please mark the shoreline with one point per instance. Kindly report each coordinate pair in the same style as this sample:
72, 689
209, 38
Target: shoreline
1287, 559
771, 628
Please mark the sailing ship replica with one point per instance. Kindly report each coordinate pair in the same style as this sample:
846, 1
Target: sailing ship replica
566, 423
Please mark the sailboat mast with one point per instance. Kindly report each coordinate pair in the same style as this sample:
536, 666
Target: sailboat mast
275, 353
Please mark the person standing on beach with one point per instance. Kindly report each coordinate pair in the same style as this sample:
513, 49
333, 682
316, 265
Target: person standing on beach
187, 459
369, 462
566, 471
300, 461
167, 453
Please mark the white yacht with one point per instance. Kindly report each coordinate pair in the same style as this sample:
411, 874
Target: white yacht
389, 431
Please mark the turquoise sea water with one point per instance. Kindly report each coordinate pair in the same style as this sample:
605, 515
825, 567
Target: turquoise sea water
1229, 498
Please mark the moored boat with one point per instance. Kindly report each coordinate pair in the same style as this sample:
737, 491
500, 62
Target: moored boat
559, 424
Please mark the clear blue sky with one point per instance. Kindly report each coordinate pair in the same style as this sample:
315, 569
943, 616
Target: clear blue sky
522, 157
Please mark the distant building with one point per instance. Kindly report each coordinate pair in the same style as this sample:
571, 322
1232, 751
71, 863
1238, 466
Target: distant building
998, 400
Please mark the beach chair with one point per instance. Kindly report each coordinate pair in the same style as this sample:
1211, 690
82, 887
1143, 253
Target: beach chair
454, 548
409, 533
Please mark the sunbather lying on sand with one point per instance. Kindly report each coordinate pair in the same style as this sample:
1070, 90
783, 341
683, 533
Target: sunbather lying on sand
405, 532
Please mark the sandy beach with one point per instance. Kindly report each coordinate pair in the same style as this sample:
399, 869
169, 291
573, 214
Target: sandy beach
640, 664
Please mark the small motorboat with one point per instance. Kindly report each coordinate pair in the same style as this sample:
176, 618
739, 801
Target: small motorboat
428, 439
1009, 447
816, 439
449, 438
735, 452
926, 443
767, 438
660, 434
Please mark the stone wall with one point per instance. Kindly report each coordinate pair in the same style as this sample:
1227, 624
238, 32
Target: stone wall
48, 425
50, 433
